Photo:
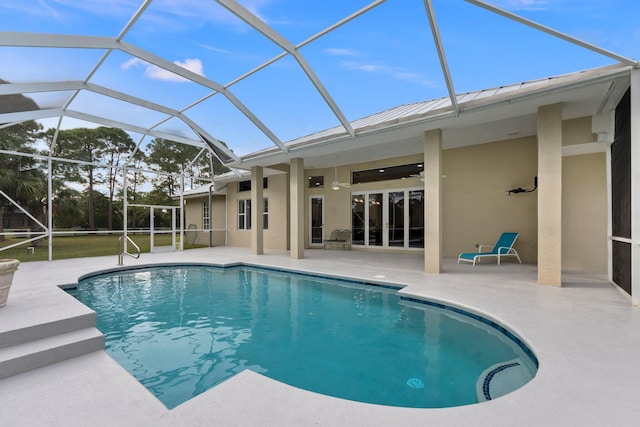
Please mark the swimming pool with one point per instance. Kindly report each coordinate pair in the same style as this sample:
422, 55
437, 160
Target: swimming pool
180, 330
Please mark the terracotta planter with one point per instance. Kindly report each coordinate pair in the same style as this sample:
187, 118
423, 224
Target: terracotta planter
7, 268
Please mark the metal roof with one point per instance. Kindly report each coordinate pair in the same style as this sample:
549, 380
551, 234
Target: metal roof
444, 108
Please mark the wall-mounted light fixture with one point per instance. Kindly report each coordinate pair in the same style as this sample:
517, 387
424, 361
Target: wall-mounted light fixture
524, 190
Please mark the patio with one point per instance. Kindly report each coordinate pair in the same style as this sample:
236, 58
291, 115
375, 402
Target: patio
583, 335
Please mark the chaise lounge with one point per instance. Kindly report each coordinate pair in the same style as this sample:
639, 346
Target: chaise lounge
502, 248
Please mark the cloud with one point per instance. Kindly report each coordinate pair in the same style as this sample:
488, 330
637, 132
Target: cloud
153, 72
523, 4
185, 15
339, 52
214, 49
397, 73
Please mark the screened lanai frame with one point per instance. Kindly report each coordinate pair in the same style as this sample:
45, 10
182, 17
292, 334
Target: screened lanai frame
193, 132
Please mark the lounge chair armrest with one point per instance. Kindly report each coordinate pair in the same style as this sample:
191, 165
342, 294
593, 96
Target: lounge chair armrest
490, 248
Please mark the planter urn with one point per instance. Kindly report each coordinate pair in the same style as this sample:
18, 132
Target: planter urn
7, 268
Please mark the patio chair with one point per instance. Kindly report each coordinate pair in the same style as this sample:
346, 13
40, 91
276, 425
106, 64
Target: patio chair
502, 248
338, 238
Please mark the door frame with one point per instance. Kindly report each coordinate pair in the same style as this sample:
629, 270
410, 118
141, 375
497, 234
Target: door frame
310, 219
385, 217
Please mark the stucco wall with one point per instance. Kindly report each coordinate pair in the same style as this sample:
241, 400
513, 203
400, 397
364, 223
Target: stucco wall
584, 213
277, 236
577, 131
476, 206
193, 215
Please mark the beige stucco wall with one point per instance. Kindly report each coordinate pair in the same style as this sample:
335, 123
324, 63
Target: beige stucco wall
476, 205
584, 213
276, 237
193, 215
577, 131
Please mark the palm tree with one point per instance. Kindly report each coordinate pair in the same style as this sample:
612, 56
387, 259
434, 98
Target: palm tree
20, 177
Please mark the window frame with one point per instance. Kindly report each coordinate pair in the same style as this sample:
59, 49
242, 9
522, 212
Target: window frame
206, 215
244, 214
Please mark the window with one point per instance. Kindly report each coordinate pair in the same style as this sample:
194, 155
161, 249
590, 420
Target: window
265, 214
244, 214
206, 224
316, 181
388, 173
246, 185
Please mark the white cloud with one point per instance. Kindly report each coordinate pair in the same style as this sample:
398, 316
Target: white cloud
214, 49
153, 72
396, 73
339, 52
523, 4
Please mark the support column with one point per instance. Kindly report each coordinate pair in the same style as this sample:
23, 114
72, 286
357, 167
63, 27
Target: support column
550, 195
257, 207
433, 201
635, 186
296, 189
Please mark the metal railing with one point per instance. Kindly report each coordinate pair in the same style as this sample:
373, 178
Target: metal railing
122, 251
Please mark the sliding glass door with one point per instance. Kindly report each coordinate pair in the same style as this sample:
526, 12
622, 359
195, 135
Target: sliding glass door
395, 230
390, 219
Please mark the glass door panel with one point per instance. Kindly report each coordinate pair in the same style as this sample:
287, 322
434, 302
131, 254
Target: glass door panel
389, 219
416, 219
375, 219
396, 219
317, 220
358, 228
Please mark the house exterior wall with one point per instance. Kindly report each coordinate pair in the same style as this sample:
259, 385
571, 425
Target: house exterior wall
277, 235
193, 217
584, 213
476, 206
584, 202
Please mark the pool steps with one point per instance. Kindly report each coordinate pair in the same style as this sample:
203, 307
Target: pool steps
46, 343
502, 378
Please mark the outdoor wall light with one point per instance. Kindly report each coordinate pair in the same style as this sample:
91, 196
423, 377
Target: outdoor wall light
524, 190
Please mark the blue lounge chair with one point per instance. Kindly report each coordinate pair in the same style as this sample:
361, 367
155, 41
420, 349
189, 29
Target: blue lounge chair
502, 248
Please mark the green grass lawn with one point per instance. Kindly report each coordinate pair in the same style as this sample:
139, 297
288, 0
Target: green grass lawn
83, 246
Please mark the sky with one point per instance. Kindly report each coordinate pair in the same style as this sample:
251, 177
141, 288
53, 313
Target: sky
381, 59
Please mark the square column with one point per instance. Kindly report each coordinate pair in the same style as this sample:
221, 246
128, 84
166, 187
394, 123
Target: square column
550, 195
296, 189
257, 207
433, 201
635, 186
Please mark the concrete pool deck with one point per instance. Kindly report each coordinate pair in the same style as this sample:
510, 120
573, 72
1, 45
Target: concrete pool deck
586, 336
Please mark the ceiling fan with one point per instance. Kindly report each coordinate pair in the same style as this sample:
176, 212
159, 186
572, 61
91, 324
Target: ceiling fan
335, 185
418, 175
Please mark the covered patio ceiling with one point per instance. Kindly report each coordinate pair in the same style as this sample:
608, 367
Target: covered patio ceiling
257, 83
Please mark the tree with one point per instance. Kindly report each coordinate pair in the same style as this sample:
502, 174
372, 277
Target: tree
176, 158
67, 207
81, 144
116, 144
135, 178
20, 176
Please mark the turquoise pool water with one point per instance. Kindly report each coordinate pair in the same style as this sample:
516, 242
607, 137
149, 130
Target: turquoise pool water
180, 330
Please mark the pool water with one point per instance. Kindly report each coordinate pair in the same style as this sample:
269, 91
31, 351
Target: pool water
180, 330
